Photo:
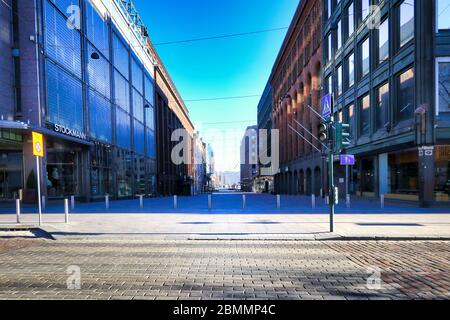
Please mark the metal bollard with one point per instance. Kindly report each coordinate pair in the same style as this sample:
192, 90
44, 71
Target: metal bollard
244, 200
141, 201
209, 202
278, 201
18, 210
347, 198
175, 202
313, 201
107, 201
72, 202
43, 202
66, 210
382, 201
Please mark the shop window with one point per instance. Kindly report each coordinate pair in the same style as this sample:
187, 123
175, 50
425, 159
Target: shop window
403, 172
367, 177
101, 171
124, 173
442, 177
443, 85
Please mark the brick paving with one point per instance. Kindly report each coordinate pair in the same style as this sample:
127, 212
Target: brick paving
226, 270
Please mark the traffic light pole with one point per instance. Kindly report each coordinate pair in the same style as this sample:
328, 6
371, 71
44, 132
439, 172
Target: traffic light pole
331, 191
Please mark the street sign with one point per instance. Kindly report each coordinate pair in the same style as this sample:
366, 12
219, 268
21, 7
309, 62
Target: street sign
38, 144
326, 105
348, 160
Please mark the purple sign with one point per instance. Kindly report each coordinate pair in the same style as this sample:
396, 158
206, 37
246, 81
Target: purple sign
348, 160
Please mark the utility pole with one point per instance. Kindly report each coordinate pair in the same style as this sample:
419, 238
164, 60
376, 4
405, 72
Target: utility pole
332, 188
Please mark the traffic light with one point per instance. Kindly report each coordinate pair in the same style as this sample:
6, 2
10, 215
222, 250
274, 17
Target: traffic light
323, 132
342, 136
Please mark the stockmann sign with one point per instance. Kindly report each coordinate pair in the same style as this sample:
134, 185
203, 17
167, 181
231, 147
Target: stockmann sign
70, 132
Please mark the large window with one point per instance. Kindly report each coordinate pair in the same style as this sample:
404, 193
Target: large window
339, 81
97, 30
139, 142
329, 47
383, 41
351, 69
443, 13
100, 108
98, 74
383, 106
122, 91
406, 22
62, 44
405, 103
339, 35
65, 102
151, 152
350, 118
121, 56
443, 78
123, 130
364, 115
365, 8
138, 106
136, 76
364, 52
350, 18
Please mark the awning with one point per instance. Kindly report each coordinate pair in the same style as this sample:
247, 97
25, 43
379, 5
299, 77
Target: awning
15, 125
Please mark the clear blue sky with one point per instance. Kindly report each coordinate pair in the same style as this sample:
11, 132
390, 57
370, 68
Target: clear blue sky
218, 68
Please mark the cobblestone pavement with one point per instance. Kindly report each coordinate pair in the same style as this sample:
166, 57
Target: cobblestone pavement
226, 270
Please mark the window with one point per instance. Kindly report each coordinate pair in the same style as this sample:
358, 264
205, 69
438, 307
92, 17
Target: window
383, 106
351, 70
350, 13
339, 35
443, 12
123, 131
329, 84
383, 41
406, 22
405, 103
100, 115
97, 30
365, 57
443, 78
65, 102
350, 118
329, 9
365, 7
151, 152
62, 44
329, 48
98, 74
364, 115
139, 142
339, 80
136, 75
149, 90
122, 91
120, 55
138, 106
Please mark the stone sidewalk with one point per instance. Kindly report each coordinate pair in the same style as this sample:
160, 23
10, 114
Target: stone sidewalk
226, 270
238, 226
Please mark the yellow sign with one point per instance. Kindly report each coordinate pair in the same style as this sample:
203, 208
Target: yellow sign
38, 144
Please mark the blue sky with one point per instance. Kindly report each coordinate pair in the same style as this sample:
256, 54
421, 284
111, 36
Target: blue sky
237, 66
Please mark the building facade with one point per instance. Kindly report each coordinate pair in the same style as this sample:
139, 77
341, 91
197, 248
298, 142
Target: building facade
296, 83
81, 73
200, 165
387, 64
264, 182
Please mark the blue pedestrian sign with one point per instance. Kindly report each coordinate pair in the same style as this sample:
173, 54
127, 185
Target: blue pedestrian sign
326, 105
348, 160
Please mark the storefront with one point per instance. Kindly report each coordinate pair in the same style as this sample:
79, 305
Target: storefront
442, 177
11, 164
403, 175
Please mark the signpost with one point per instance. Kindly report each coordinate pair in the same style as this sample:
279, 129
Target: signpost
327, 113
347, 160
38, 151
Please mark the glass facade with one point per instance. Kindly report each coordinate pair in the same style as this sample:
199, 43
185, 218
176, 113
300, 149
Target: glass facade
403, 173
114, 106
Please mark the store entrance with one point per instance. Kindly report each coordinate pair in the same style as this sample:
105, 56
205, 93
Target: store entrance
10, 174
63, 172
